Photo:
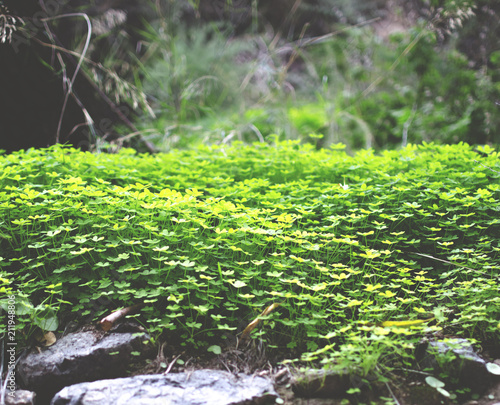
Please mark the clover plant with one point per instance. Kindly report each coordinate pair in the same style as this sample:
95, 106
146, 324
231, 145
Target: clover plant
364, 254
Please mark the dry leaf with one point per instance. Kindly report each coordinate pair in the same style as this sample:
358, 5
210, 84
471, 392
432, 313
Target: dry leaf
45, 338
403, 323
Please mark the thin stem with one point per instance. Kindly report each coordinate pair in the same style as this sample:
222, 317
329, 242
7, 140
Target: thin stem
392, 394
78, 66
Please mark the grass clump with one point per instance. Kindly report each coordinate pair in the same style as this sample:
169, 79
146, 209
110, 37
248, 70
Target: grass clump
364, 254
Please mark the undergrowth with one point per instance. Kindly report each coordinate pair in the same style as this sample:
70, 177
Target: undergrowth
364, 254
352, 85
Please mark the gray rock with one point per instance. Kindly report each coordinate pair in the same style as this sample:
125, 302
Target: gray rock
80, 357
464, 364
201, 387
20, 397
320, 384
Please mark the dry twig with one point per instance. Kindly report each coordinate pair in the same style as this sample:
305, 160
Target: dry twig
107, 322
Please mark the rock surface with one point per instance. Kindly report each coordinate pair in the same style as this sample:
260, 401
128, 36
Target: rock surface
210, 387
20, 397
465, 364
320, 384
86, 366
80, 357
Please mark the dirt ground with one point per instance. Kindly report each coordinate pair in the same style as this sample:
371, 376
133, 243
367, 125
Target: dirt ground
252, 359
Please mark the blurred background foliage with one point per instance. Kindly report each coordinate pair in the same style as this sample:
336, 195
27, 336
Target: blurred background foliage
377, 74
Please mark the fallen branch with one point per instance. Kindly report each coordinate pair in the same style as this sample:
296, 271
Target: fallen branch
171, 364
107, 322
252, 325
